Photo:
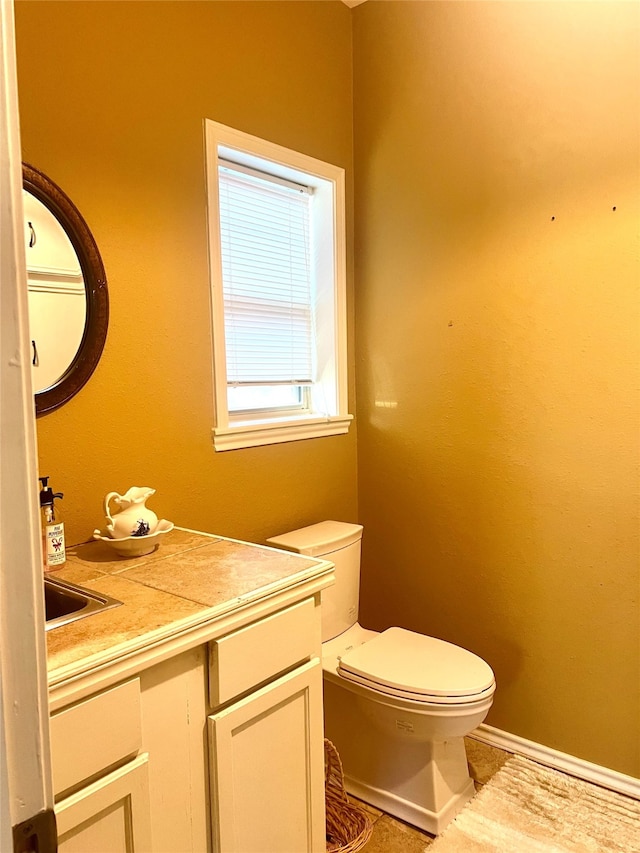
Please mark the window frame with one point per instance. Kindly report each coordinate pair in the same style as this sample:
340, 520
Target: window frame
236, 430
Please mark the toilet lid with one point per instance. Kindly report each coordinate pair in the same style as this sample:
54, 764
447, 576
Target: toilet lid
408, 664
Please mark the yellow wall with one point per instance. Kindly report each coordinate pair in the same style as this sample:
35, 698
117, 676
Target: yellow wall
496, 156
112, 100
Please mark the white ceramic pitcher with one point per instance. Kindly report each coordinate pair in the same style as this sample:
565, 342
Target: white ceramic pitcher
134, 519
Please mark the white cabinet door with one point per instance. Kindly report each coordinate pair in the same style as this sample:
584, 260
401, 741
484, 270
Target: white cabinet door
110, 815
267, 768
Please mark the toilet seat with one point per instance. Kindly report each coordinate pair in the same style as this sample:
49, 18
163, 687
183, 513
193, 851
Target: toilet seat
413, 666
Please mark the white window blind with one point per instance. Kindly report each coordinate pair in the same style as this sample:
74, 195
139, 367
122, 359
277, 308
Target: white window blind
266, 279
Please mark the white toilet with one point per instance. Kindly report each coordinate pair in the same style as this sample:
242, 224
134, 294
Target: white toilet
397, 704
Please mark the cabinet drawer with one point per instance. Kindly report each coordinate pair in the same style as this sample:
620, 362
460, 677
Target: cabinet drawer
262, 650
91, 736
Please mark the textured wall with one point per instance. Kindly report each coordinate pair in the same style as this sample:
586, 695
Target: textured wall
112, 99
496, 157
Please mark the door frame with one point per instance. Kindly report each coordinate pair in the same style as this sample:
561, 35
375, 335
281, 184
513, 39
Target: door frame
25, 770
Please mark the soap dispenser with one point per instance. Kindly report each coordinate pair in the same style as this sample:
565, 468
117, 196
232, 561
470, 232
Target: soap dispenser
53, 547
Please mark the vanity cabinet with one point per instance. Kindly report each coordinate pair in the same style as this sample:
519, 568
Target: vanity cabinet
215, 748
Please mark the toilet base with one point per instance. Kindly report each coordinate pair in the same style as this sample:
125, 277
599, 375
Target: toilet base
393, 766
429, 800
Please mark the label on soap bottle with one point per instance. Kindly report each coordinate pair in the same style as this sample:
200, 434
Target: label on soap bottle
54, 545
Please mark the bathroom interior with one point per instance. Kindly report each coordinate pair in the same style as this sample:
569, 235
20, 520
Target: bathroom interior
491, 155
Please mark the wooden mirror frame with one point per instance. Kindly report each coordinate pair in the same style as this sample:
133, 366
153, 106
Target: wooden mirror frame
95, 285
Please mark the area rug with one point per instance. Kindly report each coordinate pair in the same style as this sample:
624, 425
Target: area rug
527, 808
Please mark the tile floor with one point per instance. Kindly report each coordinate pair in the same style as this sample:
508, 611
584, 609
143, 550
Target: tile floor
391, 835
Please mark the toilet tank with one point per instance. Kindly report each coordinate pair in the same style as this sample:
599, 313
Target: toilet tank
338, 542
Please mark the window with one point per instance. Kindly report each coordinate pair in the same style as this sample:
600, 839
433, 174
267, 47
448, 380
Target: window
277, 260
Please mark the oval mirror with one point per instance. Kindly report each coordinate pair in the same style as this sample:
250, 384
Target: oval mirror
68, 298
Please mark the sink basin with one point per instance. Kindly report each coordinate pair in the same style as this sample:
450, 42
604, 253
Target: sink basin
65, 602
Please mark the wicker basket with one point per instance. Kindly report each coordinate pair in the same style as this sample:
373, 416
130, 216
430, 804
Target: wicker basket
348, 826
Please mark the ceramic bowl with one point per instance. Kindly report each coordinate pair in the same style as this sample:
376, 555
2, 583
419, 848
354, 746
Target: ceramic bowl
136, 546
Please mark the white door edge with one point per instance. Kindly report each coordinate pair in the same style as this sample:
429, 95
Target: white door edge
25, 775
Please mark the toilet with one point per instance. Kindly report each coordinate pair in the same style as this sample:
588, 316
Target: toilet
397, 704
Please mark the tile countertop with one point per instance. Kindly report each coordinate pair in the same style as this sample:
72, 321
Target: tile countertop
191, 579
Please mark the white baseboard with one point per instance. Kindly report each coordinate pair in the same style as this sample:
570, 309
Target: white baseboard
593, 773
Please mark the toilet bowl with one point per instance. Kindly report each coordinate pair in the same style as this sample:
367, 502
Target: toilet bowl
397, 704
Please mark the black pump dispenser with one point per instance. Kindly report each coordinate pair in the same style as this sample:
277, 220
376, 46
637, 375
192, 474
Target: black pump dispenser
47, 494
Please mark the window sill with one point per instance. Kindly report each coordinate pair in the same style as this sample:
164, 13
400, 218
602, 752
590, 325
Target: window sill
257, 433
